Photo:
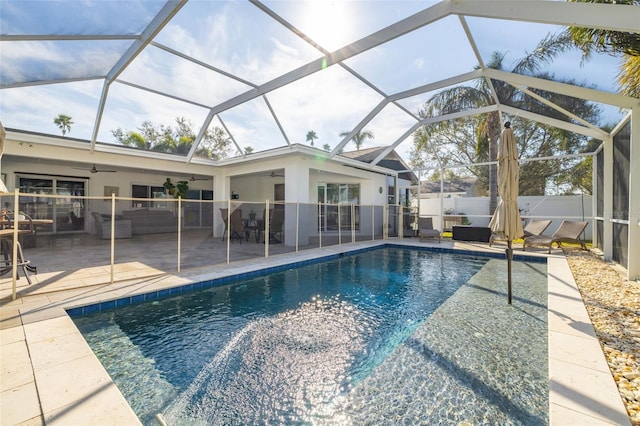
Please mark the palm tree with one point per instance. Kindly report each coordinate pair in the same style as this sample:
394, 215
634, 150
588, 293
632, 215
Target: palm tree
311, 136
488, 130
606, 41
64, 123
359, 137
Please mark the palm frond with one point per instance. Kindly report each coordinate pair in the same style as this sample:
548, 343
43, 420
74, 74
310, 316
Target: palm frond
629, 76
456, 99
548, 49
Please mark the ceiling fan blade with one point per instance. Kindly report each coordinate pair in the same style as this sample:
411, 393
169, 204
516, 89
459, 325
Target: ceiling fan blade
192, 178
94, 169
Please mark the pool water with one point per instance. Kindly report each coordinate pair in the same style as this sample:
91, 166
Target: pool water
383, 336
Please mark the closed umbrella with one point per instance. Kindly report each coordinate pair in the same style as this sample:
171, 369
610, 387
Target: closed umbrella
506, 221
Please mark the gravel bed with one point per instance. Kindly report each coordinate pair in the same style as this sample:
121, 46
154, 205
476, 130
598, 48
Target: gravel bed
613, 304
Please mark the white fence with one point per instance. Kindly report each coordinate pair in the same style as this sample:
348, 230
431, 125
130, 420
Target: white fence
475, 209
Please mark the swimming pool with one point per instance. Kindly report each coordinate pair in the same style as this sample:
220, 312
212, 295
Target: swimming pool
389, 335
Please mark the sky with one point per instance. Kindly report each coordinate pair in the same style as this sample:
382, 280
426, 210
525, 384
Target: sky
242, 47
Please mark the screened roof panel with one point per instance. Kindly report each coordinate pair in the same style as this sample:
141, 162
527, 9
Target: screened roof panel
237, 38
387, 127
328, 102
33, 61
428, 54
159, 70
335, 24
78, 100
60, 17
252, 125
127, 108
159, 60
517, 40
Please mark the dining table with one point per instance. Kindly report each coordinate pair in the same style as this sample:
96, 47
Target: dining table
29, 226
255, 225
35, 222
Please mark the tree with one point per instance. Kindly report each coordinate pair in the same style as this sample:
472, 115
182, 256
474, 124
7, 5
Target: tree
64, 123
326, 147
311, 136
591, 40
215, 143
454, 142
359, 137
487, 126
248, 150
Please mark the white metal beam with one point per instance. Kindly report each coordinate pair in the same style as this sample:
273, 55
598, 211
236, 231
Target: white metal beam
226, 129
159, 21
382, 36
44, 82
476, 52
558, 108
616, 17
564, 88
275, 117
201, 63
359, 126
432, 120
633, 243
451, 81
565, 125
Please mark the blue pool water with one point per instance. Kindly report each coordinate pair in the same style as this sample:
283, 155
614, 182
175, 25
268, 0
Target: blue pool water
381, 337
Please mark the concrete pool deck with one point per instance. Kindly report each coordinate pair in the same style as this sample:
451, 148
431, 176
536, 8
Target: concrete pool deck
49, 375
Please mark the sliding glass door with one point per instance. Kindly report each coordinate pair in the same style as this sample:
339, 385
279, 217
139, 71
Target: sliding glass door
66, 213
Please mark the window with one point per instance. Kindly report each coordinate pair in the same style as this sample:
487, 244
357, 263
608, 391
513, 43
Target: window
197, 214
336, 211
146, 191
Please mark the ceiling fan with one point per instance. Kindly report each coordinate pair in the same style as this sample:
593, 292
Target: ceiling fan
274, 174
193, 178
95, 170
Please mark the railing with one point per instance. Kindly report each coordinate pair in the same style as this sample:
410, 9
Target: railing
107, 240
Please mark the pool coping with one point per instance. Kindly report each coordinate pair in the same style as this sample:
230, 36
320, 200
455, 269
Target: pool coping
56, 377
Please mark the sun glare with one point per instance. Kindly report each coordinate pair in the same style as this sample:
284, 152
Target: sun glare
327, 23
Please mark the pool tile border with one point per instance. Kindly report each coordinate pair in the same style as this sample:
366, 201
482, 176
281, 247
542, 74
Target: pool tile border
228, 279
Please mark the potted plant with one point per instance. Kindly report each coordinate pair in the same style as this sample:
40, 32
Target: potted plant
169, 186
182, 186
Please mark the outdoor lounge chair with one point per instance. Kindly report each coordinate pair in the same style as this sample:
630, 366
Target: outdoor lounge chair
533, 228
568, 232
425, 228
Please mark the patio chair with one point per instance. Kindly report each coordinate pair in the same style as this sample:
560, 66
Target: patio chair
425, 228
276, 224
27, 237
237, 225
568, 232
533, 228
6, 263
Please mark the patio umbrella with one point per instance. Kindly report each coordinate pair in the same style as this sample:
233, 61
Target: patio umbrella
506, 221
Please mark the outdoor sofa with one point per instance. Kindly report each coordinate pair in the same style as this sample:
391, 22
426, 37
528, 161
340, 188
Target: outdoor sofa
151, 220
